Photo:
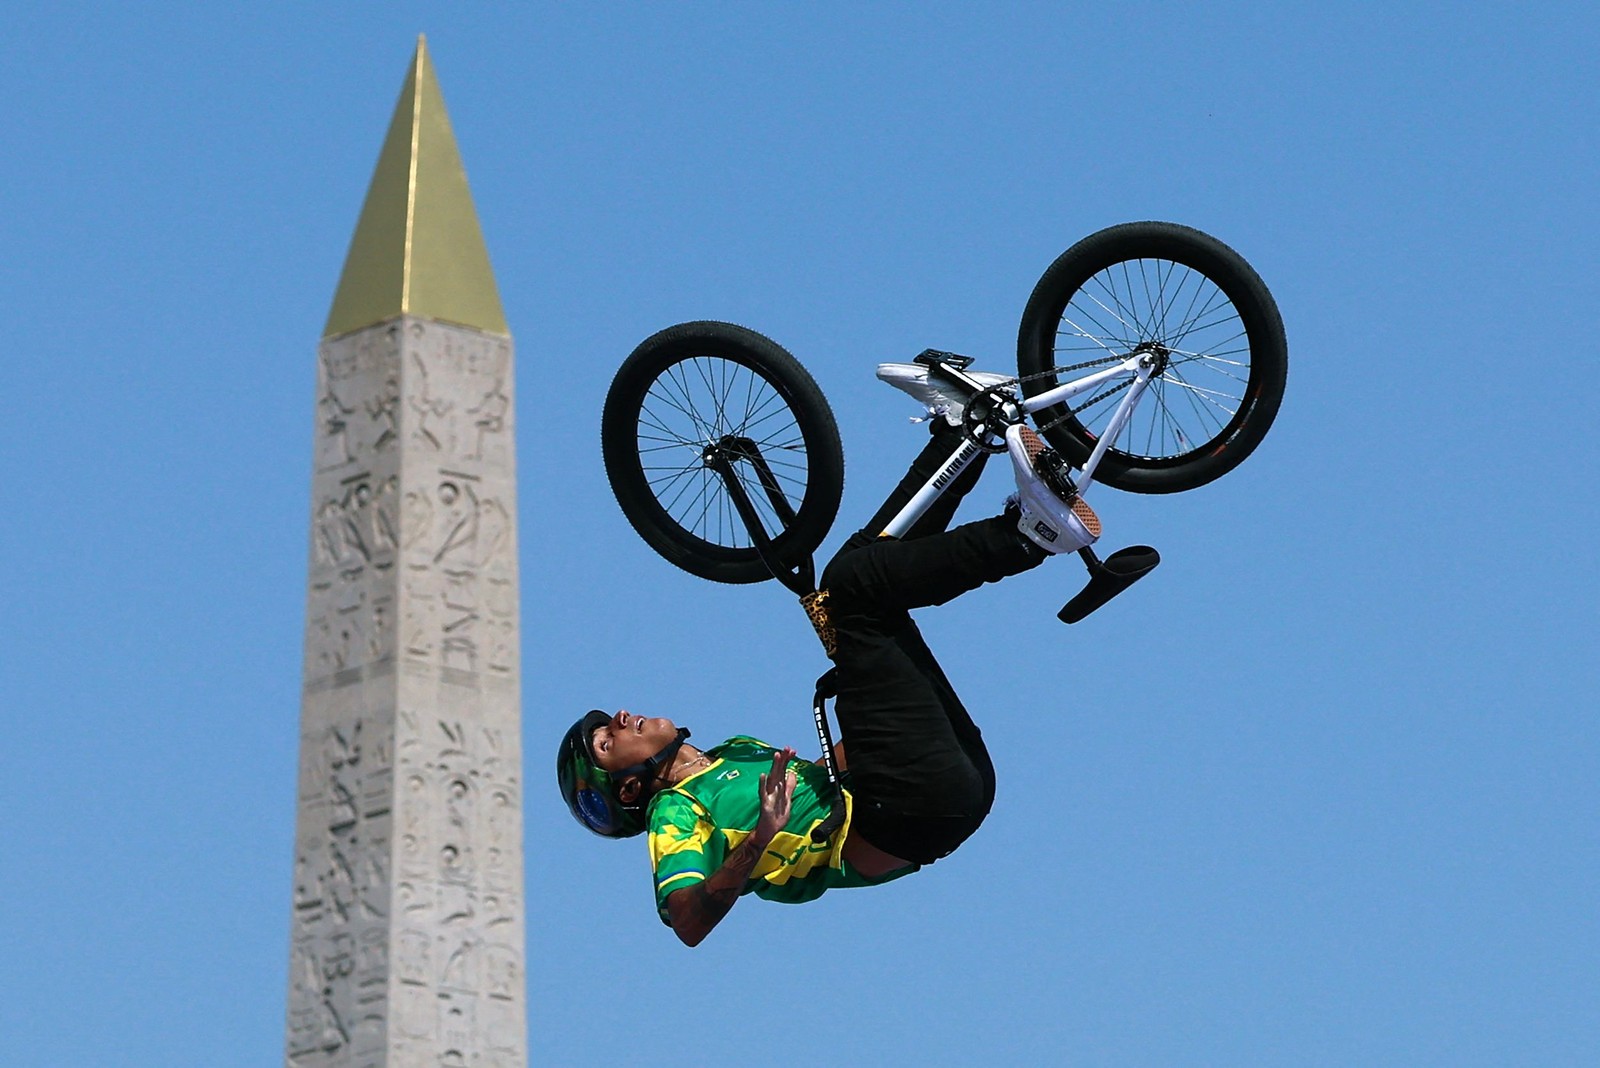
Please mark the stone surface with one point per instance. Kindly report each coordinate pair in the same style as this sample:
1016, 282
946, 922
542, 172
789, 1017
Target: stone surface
408, 930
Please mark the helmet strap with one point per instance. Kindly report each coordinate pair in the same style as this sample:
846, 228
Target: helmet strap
650, 769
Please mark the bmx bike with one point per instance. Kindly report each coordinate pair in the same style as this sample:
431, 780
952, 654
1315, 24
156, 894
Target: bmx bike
1151, 358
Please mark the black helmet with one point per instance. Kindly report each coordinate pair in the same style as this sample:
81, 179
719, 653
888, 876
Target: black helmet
591, 792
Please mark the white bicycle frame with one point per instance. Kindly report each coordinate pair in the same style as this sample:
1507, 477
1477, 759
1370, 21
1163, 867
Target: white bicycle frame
1138, 367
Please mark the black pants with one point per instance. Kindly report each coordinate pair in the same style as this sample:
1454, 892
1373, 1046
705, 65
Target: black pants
920, 774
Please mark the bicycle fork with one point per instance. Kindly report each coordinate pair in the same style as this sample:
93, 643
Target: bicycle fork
721, 456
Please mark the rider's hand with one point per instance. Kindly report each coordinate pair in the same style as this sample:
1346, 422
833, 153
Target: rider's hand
777, 792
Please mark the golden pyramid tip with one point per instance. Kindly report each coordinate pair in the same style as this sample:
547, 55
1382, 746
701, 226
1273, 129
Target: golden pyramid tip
418, 248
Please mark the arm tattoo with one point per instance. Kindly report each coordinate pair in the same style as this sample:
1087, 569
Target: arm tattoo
705, 904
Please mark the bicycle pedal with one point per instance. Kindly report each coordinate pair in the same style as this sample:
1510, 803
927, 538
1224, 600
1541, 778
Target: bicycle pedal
933, 357
1055, 472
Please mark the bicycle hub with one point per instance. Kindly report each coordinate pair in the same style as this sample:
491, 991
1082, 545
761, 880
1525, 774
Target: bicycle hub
1154, 355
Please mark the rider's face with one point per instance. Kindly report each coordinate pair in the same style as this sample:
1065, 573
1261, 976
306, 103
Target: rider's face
627, 739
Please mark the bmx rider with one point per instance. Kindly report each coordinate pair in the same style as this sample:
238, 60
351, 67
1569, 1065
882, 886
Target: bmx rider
736, 818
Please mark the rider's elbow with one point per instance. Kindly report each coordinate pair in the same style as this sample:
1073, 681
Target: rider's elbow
690, 934
683, 922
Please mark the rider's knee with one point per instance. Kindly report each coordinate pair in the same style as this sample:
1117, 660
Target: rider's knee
842, 577
853, 579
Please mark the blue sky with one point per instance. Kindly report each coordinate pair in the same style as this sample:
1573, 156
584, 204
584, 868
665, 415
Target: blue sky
1320, 791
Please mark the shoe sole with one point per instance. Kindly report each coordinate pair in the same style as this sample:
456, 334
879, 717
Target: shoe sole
1086, 516
1032, 444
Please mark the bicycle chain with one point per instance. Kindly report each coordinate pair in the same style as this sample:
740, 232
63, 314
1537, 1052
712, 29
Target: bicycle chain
1072, 413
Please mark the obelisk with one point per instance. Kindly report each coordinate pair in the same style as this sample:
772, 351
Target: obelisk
407, 933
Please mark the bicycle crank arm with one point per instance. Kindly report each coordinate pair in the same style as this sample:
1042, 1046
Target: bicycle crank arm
1108, 577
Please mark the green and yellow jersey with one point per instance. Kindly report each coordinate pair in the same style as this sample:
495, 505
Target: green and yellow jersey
697, 823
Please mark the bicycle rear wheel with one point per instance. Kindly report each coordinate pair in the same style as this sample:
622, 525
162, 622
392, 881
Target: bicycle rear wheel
1164, 288
680, 393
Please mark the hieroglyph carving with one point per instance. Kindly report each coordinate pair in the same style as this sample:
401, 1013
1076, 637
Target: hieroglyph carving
408, 928
339, 969
458, 890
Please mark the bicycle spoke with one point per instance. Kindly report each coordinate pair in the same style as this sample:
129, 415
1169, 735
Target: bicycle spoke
1211, 357
657, 420
1214, 397
1170, 333
678, 378
1165, 416
651, 421
749, 399
1088, 315
1219, 369
703, 493
1226, 315
743, 430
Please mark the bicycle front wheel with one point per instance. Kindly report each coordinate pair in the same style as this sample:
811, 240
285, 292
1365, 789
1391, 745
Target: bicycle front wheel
1182, 294
684, 391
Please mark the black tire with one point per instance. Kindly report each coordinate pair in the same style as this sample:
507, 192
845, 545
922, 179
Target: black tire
1157, 284
684, 388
